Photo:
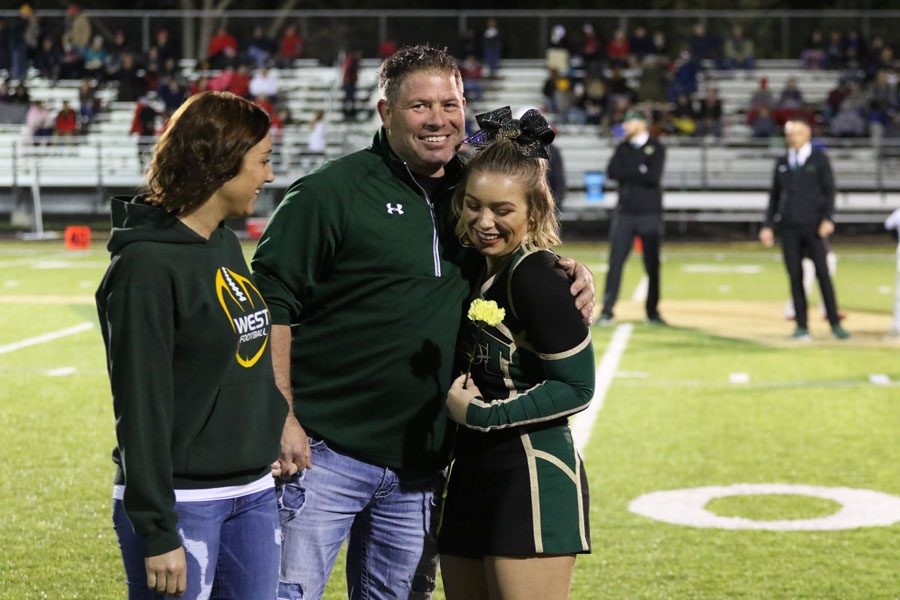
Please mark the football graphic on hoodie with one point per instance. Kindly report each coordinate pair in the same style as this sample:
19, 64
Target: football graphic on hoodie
247, 314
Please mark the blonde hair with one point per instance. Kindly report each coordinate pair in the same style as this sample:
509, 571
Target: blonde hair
502, 158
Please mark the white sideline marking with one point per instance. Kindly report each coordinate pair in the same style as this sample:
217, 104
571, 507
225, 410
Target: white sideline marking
61, 372
739, 378
632, 375
640, 292
879, 379
10, 283
884, 290
47, 337
724, 289
583, 423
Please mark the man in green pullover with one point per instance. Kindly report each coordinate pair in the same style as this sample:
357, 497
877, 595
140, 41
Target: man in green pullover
360, 259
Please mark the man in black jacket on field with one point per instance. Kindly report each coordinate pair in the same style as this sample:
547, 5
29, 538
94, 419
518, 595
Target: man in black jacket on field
801, 205
637, 165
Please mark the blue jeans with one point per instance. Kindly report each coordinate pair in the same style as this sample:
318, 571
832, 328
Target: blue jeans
389, 517
232, 548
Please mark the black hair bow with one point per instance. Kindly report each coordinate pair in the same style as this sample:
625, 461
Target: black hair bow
530, 134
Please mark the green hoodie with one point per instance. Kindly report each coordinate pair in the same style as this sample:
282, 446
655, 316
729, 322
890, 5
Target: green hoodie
366, 263
187, 344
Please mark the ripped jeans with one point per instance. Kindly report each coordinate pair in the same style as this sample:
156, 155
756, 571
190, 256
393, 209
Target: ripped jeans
389, 517
231, 548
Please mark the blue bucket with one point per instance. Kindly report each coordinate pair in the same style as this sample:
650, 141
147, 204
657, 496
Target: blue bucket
593, 185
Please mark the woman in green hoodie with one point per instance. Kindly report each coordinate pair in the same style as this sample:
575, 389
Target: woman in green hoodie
198, 416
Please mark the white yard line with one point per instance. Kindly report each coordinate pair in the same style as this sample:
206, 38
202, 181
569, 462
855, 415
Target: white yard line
583, 423
47, 337
640, 292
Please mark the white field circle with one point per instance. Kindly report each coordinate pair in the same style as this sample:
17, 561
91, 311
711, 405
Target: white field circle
859, 508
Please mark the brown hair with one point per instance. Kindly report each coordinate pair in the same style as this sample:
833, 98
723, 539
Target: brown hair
202, 148
411, 59
502, 158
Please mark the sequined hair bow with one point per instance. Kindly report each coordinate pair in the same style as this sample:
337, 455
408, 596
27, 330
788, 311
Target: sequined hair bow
530, 134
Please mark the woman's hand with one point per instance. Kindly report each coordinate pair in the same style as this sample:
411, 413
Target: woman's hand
167, 573
459, 397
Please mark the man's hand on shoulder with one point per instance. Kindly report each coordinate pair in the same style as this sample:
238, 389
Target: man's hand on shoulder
582, 287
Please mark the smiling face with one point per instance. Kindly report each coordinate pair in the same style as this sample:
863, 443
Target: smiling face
495, 215
239, 193
426, 122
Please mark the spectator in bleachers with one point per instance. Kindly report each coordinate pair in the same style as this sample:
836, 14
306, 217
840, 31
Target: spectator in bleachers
88, 103
222, 49
18, 48
265, 83
705, 45
591, 47
617, 84
21, 95
652, 81
173, 94
95, 58
814, 56
618, 51
290, 48
201, 84
38, 122
849, 120
855, 50
152, 68
762, 96
683, 117
317, 141
882, 61
791, 97
131, 80
169, 69
709, 115
72, 64
166, 47
48, 59
549, 92
144, 126
116, 49
596, 100
684, 81
66, 122
738, 50
557, 55
77, 30
5, 93
835, 58
835, 98
239, 82
470, 71
261, 47
349, 78
641, 44
492, 44
883, 91
763, 125
660, 48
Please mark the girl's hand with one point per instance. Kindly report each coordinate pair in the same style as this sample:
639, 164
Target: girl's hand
462, 392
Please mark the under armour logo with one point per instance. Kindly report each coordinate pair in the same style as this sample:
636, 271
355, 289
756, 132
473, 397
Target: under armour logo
394, 209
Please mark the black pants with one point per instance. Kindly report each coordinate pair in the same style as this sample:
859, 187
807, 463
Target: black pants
798, 241
624, 227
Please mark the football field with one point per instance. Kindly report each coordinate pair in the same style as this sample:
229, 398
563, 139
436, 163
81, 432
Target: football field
786, 453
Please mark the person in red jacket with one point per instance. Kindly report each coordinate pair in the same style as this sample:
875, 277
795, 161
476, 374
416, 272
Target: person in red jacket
218, 44
66, 120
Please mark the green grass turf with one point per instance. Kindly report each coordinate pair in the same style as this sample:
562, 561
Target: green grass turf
772, 507
808, 415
